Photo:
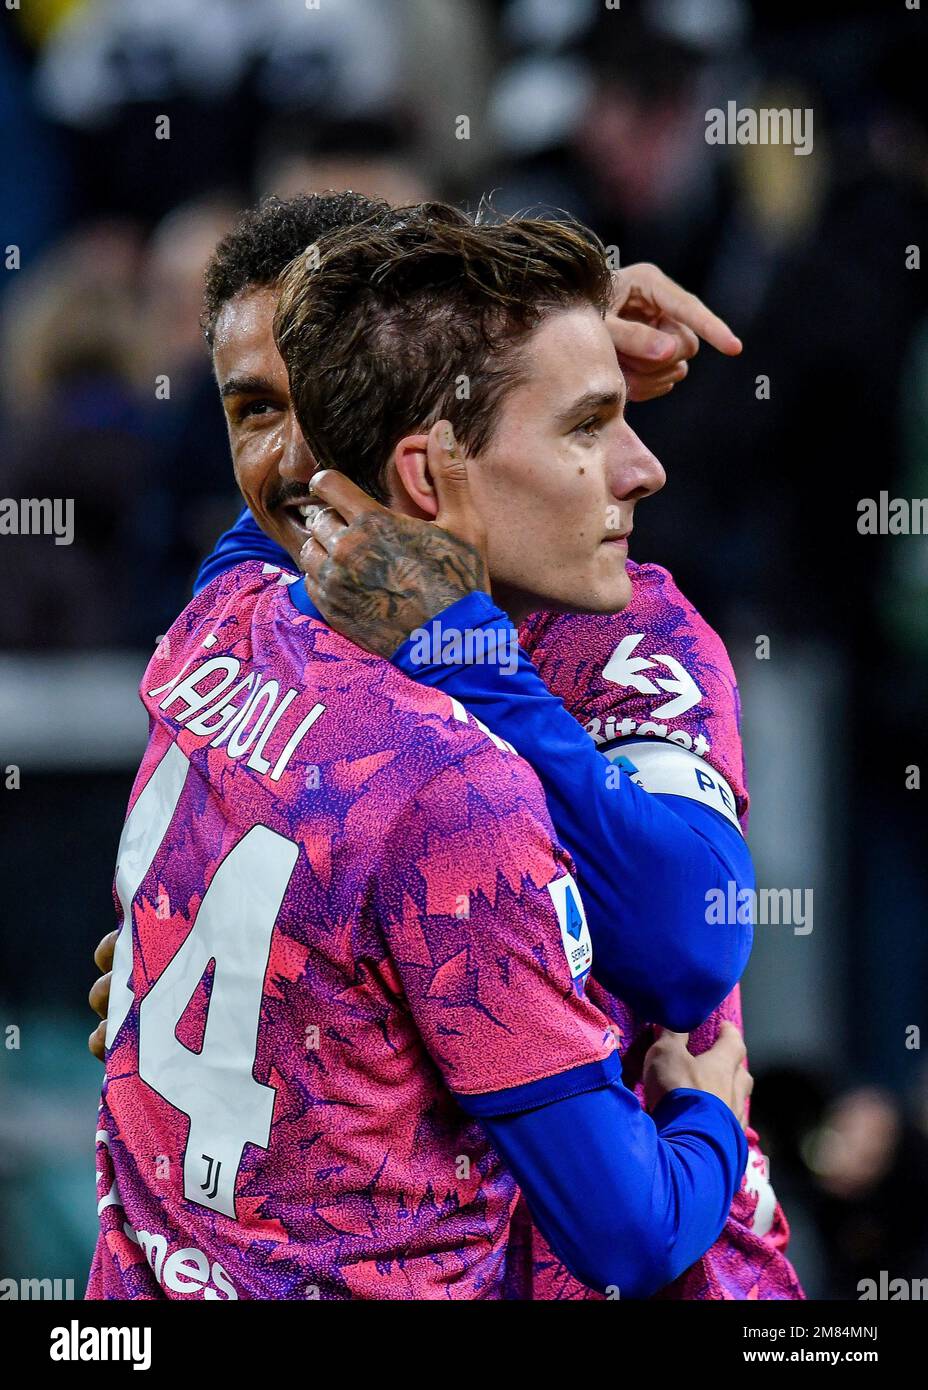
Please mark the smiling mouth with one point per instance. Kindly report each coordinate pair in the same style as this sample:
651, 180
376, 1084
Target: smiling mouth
302, 513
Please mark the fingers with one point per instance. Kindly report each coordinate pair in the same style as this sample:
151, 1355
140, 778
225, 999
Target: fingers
643, 386
744, 1085
103, 955
651, 354
97, 1042
311, 557
688, 343
730, 1044
448, 471
99, 996
653, 358
326, 526
666, 1040
689, 311
648, 284
640, 341
338, 491
324, 530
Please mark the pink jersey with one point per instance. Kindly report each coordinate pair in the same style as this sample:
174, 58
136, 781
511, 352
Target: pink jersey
657, 671
341, 907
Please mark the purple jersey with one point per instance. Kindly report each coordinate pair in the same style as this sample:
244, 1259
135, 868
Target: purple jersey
343, 907
657, 672
654, 686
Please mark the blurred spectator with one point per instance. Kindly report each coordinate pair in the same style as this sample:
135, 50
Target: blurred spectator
35, 179
872, 1204
178, 251
191, 496
74, 431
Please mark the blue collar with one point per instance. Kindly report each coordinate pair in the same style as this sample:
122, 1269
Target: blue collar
301, 600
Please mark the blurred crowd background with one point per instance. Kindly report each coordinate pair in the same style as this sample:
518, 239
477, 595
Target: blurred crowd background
570, 105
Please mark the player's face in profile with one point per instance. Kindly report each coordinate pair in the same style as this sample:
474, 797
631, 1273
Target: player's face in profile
558, 483
272, 462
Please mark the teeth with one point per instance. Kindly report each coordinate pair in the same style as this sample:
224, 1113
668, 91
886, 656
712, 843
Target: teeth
307, 511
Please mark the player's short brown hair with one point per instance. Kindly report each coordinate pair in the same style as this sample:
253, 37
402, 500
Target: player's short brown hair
391, 325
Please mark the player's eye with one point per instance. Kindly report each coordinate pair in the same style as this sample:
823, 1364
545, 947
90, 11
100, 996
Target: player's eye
254, 408
590, 427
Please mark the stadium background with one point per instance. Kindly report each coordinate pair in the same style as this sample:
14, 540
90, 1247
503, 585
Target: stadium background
570, 105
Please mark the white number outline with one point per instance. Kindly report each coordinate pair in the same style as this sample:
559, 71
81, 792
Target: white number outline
225, 1105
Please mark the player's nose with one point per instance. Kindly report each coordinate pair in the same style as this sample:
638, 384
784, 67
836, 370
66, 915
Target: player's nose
296, 463
635, 472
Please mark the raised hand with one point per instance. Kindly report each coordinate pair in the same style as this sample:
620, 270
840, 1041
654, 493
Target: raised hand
656, 326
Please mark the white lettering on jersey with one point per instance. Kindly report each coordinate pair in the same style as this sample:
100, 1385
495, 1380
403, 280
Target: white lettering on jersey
228, 706
624, 668
665, 767
608, 730
183, 1271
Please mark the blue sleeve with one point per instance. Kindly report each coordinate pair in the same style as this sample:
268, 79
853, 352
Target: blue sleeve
245, 541
626, 1201
652, 868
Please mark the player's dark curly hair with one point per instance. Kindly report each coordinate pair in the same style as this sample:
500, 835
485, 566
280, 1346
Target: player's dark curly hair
266, 239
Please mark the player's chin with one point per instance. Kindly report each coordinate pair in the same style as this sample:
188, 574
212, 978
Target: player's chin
289, 532
611, 588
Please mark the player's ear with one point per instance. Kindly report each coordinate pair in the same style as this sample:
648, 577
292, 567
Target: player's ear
409, 481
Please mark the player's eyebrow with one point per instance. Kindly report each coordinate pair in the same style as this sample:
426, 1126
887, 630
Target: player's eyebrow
246, 386
589, 403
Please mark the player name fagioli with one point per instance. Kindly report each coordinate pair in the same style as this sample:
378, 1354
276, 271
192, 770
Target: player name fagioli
239, 713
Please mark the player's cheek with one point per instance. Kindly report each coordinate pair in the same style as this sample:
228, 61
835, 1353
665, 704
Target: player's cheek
253, 461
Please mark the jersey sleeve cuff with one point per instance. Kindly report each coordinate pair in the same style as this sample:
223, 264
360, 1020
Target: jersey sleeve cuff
515, 1100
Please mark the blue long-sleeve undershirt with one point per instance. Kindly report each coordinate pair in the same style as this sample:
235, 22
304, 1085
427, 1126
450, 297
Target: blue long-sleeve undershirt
649, 865
242, 542
626, 1201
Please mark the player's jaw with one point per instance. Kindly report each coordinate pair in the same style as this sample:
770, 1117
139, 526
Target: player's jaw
272, 462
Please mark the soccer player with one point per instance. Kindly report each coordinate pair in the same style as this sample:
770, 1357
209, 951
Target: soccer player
657, 673
601, 667
352, 949
662, 629
363, 562
647, 870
